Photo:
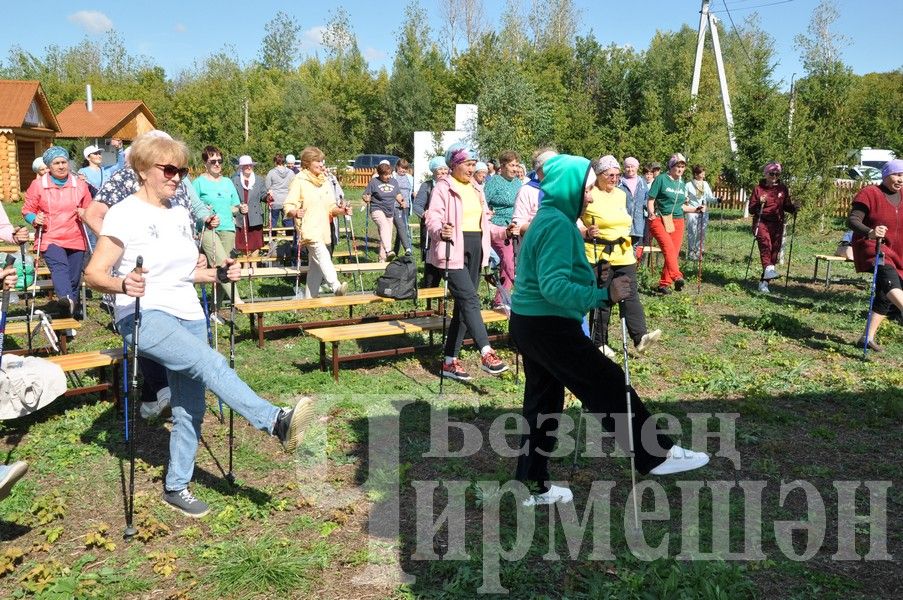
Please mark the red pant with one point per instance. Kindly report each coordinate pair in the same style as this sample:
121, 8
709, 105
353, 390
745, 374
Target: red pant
770, 235
670, 244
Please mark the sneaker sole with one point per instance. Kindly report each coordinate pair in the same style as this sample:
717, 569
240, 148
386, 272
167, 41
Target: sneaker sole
495, 372
184, 512
536, 501
302, 417
454, 376
648, 341
17, 471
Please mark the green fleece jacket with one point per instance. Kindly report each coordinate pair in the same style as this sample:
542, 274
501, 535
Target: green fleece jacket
553, 276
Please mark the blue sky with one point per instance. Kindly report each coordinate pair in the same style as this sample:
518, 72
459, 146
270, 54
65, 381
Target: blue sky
176, 33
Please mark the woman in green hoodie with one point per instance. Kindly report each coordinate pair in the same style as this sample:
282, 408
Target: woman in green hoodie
555, 286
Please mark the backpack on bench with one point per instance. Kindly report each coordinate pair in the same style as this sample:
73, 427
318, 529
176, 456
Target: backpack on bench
399, 280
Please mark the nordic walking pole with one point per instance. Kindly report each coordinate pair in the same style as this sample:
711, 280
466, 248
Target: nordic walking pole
37, 259
230, 477
352, 249
754, 240
868, 320
4, 307
448, 245
701, 249
790, 251
244, 229
27, 303
297, 267
627, 387
130, 529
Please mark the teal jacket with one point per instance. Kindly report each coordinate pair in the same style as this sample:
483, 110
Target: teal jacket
553, 276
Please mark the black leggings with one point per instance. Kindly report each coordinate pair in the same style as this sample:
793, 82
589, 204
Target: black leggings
631, 307
556, 356
463, 285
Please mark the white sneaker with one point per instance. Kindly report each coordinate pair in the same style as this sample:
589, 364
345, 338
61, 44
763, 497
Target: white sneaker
555, 494
215, 318
608, 351
770, 273
648, 339
342, 289
680, 460
763, 287
152, 410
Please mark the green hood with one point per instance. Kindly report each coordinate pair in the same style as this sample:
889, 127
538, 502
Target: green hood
564, 183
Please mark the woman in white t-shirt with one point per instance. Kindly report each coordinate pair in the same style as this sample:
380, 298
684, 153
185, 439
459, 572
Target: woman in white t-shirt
172, 325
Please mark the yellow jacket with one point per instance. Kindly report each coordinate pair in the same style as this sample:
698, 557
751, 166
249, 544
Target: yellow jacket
608, 212
315, 196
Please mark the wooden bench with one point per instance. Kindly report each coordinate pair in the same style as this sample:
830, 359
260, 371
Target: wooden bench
102, 360
257, 310
60, 326
827, 259
336, 335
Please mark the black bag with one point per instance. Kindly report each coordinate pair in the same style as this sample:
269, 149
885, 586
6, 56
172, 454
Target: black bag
399, 281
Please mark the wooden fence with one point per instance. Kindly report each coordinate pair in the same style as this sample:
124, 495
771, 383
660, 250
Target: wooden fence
837, 203
356, 177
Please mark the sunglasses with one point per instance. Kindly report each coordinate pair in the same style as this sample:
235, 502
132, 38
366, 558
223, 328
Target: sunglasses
170, 171
774, 173
215, 161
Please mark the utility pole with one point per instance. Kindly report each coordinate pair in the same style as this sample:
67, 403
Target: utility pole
709, 21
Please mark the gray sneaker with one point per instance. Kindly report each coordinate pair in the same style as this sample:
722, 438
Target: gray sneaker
185, 502
291, 424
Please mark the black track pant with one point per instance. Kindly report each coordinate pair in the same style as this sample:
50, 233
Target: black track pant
558, 355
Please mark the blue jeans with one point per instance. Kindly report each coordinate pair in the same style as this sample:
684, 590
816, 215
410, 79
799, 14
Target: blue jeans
192, 365
65, 269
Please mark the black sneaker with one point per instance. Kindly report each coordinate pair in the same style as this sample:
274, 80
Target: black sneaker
679, 284
291, 424
664, 290
185, 502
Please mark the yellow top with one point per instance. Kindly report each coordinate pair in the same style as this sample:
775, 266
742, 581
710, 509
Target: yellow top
472, 209
608, 212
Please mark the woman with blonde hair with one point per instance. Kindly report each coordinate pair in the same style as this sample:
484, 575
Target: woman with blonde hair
172, 329
311, 203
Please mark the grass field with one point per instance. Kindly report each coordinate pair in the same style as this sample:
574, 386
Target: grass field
349, 516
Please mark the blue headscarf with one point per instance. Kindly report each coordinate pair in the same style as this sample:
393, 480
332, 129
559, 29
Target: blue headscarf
457, 154
54, 152
437, 162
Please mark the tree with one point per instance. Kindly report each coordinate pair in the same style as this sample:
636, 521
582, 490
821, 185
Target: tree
281, 42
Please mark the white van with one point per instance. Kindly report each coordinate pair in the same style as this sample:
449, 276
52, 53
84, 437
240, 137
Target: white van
872, 157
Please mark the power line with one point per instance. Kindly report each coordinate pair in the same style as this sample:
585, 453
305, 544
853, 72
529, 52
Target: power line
736, 33
752, 7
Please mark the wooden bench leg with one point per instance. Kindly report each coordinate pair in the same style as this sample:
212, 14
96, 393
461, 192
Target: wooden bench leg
63, 343
322, 356
828, 274
335, 361
260, 330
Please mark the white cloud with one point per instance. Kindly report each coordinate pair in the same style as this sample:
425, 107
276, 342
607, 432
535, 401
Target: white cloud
313, 37
92, 21
374, 55
180, 28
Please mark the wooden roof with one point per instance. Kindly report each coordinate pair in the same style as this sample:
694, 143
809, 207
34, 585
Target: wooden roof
16, 98
108, 117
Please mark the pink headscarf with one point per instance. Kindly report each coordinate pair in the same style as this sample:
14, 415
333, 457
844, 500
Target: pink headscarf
772, 166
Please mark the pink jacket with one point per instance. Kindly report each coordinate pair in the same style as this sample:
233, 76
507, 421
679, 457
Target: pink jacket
525, 205
446, 207
59, 205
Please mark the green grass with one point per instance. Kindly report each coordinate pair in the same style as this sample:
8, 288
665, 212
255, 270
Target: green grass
308, 526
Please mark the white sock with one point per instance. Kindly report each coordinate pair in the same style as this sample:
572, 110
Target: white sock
449, 360
485, 350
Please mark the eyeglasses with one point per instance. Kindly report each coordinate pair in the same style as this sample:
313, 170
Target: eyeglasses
774, 173
170, 171
611, 175
215, 161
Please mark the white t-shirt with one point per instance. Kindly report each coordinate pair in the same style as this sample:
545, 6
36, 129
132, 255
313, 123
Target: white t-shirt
163, 237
